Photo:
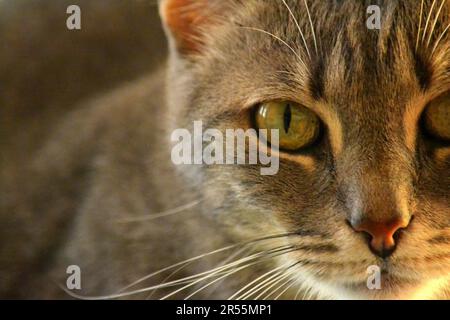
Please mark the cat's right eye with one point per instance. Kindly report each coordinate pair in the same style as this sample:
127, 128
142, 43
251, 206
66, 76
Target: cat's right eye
298, 127
436, 118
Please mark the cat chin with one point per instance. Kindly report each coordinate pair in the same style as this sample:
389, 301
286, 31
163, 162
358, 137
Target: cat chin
393, 289
361, 292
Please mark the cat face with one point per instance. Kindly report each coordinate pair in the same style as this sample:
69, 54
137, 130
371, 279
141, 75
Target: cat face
373, 187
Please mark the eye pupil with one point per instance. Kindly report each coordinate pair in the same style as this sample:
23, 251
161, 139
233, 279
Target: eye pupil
297, 126
287, 118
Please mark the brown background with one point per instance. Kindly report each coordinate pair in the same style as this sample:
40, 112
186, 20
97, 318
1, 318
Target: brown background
46, 69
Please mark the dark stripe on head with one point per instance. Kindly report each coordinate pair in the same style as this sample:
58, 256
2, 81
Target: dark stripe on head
423, 72
316, 83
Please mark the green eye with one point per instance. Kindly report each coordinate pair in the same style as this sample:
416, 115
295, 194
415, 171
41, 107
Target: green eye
298, 126
437, 118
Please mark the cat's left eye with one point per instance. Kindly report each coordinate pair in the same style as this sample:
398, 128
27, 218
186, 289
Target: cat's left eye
298, 127
436, 118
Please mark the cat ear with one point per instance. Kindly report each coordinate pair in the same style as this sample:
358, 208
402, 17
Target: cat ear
185, 20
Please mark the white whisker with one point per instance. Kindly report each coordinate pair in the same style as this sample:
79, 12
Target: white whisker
435, 22
161, 214
428, 21
272, 292
277, 38
218, 279
256, 280
439, 39
420, 24
298, 293
203, 256
260, 285
298, 26
290, 282
168, 278
263, 284
273, 283
312, 27
193, 278
225, 262
209, 275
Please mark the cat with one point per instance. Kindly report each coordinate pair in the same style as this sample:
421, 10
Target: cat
369, 188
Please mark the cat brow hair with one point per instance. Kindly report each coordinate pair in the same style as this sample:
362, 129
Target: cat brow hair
312, 26
277, 38
433, 28
422, 33
298, 27
420, 23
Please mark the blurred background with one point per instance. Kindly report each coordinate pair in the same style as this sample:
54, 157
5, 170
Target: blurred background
46, 69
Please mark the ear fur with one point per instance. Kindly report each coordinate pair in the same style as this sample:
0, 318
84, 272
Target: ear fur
185, 20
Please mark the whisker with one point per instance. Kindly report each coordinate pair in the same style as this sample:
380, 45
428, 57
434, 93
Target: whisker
265, 283
298, 292
420, 24
218, 279
435, 22
307, 295
162, 213
230, 265
193, 278
272, 292
277, 38
428, 20
273, 283
182, 263
298, 26
168, 278
259, 286
256, 280
226, 261
206, 255
226, 275
312, 26
289, 283
440, 38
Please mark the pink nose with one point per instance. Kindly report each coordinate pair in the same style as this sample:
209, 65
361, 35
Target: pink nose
382, 234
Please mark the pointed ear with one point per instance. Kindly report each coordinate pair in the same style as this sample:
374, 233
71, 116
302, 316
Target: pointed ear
185, 20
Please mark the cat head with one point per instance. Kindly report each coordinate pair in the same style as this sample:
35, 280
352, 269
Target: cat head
372, 186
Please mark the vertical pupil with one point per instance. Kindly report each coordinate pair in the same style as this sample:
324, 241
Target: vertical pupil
287, 118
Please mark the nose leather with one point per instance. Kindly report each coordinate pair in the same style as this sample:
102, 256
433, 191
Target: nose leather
382, 234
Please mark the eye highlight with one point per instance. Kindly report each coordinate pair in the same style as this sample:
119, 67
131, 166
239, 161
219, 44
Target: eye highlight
436, 118
298, 126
